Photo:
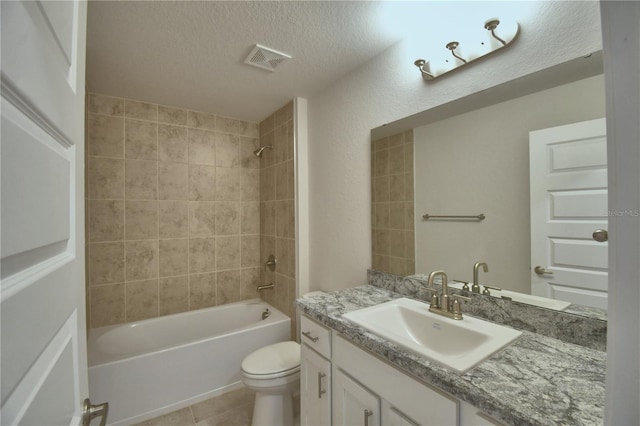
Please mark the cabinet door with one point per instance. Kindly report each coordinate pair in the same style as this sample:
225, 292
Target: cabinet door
315, 388
391, 416
353, 404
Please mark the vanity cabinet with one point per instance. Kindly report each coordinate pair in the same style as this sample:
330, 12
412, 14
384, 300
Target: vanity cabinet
315, 374
344, 385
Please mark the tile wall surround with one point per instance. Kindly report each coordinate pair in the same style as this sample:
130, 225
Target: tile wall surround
277, 210
173, 210
392, 206
566, 326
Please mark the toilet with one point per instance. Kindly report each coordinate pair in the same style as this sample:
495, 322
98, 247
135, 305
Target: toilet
274, 373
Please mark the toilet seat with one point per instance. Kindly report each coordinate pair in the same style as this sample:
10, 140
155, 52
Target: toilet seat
272, 361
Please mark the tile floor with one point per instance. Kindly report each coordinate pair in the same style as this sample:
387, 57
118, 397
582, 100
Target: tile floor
233, 408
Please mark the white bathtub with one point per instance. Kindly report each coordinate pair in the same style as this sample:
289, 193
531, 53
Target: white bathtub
155, 366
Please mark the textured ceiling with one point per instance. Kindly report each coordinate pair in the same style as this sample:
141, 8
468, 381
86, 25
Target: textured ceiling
191, 54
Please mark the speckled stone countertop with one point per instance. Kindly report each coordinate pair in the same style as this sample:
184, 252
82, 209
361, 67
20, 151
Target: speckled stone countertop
536, 380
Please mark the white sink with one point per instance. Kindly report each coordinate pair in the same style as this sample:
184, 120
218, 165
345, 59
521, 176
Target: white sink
456, 344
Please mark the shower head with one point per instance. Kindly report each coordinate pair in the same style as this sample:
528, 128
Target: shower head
258, 152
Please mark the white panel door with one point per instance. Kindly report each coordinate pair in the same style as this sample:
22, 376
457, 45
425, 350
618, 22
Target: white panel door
43, 336
568, 172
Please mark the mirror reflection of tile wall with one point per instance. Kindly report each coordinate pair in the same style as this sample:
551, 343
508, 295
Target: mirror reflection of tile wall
392, 215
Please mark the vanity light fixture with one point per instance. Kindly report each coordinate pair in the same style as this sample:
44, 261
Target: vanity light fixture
486, 42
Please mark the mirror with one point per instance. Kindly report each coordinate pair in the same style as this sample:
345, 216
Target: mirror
467, 158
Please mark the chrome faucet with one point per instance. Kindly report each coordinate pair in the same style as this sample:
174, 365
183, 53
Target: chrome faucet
442, 305
476, 285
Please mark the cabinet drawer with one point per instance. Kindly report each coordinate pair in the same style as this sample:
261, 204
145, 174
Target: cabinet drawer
316, 336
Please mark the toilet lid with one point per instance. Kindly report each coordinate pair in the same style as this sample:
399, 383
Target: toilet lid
278, 359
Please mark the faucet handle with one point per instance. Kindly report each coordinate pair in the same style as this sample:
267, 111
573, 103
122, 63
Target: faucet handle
457, 309
486, 291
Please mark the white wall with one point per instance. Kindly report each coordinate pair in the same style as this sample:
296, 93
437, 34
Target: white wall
478, 162
388, 88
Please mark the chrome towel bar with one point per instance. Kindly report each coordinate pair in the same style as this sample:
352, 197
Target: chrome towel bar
427, 216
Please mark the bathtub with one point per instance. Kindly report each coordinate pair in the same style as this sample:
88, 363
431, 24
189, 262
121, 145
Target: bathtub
151, 367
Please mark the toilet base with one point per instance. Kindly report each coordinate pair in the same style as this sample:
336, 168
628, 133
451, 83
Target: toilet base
273, 409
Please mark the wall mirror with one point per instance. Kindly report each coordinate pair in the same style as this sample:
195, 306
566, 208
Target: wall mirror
471, 157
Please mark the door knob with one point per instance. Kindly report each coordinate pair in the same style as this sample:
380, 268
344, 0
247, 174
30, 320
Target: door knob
541, 271
90, 412
601, 235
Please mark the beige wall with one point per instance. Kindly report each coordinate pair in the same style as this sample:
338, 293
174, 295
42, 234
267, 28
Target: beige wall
173, 201
392, 206
277, 209
479, 163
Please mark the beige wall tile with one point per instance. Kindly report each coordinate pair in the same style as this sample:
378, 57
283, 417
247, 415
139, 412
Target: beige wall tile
202, 218
381, 189
268, 218
173, 181
141, 220
282, 254
248, 159
250, 185
397, 216
408, 186
237, 127
396, 188
202, 183
172, 143
202, 147
250, 218
201, 120
290, 180
250, 251
228, 287
284, 114
106, 220
250, 280
106, 263
173, 257
227, 184
107, 105
409, 216
409, 245
396, 159
173, 219
280, 145
381, 144
172, 115
227, 150
382, 215
410, 267
282, 218
141, 180
381, 163
408, 156
141, 139
267, 125
267, 184
107, 305
227, 252
202, 290
290, 141
396, 243
141, 260
381, 241
140, 110
282, 181
106, 178
292, 258
380, 262
291, 222
174, 295
227, 218
395, 140
397, 265
106, 136
142, 300
202, 255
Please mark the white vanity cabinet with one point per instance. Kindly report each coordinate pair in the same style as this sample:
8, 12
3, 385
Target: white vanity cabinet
344, 385
315, 374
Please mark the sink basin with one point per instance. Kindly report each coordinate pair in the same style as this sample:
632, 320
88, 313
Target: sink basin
455, 344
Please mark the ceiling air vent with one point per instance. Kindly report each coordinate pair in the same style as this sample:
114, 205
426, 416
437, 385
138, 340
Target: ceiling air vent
265, 58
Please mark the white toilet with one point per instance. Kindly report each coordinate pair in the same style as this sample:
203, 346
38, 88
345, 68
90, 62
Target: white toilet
274, 373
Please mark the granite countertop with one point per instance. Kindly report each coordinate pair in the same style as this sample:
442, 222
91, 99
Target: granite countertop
537, 380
